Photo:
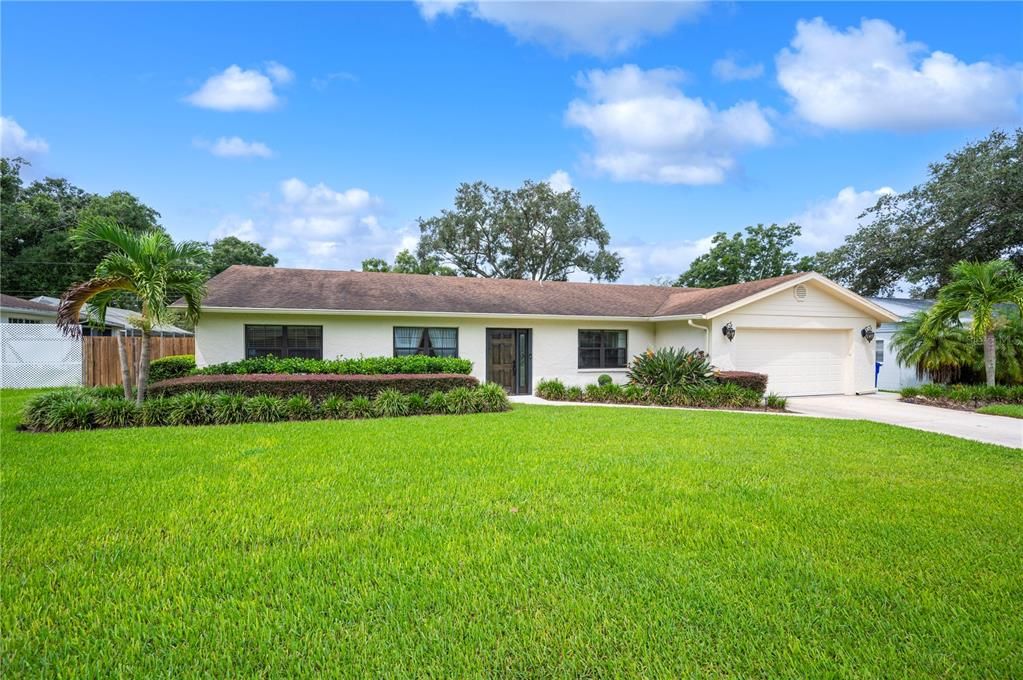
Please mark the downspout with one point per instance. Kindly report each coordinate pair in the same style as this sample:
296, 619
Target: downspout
706, 335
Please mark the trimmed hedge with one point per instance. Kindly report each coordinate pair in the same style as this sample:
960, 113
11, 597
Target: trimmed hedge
80, 409
314, 386
362, 366
973, 396
714, 395
174, 366
746, 379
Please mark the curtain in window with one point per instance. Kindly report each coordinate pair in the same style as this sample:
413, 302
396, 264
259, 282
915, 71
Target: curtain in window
443, 341
407, 341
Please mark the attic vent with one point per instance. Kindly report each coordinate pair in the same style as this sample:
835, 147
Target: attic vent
800, 292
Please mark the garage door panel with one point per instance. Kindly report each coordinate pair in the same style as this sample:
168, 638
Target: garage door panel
796, 362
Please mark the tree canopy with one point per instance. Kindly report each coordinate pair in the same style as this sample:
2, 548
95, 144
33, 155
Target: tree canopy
532, 232
230, 250
970, 208
406, 262
758, 253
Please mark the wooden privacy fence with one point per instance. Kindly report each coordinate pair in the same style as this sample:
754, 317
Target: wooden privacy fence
100, 365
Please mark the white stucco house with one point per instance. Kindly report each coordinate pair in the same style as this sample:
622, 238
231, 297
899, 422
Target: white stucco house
891, 373
807, 333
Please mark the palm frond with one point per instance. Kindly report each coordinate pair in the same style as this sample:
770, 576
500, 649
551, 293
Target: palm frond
74, 298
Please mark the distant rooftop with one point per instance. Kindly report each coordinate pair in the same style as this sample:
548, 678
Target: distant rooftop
116, 317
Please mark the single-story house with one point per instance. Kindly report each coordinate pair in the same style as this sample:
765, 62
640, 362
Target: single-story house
117, 319
15, 310
807, 333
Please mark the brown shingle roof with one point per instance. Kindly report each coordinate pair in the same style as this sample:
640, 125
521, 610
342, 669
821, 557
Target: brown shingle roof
11, 302
277, 288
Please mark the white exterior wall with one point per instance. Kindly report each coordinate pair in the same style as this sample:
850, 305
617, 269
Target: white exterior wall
680, 334
819, 311
220, 337
892, 375
41, 317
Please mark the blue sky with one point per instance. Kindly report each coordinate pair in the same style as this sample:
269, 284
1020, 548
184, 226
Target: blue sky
324, 130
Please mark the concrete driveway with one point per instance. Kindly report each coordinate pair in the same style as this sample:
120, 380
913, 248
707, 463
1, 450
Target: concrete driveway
886, 408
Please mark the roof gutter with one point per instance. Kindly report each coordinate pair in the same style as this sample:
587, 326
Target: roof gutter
706, 334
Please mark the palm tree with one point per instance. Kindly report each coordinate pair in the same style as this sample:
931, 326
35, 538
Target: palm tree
938, 350
979, 288
148, 266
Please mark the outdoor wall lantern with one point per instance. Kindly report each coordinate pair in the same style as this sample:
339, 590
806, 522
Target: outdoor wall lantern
867, 333
728, 330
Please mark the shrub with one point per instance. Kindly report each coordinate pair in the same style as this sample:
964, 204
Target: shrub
967, 394
604, 380
265, 408
747, 379
300, 407
64, 409
360, 407
360, 366
437, 403
316, 387
334, 406
105, 391
773, 401
609, 393
391, 403
416, 403
192, 408
157, 411
460, 400
230, 408
174, 366
491, 397
670, 367
574, 393
117, 412
551, 389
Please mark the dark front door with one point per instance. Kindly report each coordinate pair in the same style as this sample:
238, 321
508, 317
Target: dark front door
509, 359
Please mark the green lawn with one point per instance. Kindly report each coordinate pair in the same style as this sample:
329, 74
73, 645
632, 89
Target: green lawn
1011, 410
549, 541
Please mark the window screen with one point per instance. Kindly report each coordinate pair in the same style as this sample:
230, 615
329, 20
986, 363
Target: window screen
603, 349
879, 351
434, 342
284, 341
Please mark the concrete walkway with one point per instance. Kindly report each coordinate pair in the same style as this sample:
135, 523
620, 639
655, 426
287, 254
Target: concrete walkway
886, 408
880, 408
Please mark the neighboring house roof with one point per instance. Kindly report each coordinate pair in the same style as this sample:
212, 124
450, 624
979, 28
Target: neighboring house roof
116, 317
902, 306
243, 287
11, 302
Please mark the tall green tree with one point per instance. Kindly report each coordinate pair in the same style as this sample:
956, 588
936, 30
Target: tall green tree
757, 253
979, 288
532, 232
230, 250
37, 252
406, 262
148, 266
970, 207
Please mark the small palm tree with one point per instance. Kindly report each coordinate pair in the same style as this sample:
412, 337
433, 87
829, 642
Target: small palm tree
148, 266
938, 350
979, 288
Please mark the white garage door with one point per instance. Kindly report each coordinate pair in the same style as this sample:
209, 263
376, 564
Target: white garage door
796, 362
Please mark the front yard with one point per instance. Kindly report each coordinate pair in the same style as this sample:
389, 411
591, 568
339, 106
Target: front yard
544, 541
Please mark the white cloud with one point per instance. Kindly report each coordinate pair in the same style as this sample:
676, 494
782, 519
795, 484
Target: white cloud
560, 181
321, 84
279, 73
645, 129
872, 77
238, 89
232, 225
600, 28
235, 147
826, 223
15, 141
728, 68
650, 262
316, 226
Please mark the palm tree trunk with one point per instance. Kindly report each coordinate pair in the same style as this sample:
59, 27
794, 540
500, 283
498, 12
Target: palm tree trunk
140, 394
989, 357
122, 355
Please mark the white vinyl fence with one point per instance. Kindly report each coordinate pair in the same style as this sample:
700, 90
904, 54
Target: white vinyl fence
38, 355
